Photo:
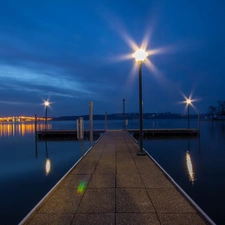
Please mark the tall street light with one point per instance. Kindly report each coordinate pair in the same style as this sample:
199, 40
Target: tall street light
188, 102
46, 103
140, 56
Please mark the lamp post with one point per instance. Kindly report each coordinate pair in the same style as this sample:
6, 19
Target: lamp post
46, 103
188, 102
140, 56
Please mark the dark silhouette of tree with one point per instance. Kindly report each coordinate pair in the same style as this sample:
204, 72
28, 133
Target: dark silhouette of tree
221, 108
211, 110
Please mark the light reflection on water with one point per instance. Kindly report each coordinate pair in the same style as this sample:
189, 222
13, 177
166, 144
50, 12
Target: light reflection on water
47, 166
12, 129
190, 168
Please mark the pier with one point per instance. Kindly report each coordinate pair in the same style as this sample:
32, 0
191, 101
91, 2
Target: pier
147, 133
163, 132
112, 185
66, 134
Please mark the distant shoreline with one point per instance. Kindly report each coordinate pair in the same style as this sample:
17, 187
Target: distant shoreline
131, 116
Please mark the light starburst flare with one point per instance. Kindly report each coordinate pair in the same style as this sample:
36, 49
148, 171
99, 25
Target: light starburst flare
140, 55
47, 103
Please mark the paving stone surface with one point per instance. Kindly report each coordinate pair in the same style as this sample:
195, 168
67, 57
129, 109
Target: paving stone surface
118, 188
94, 219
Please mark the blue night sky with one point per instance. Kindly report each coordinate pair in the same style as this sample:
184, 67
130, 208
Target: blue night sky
73, 51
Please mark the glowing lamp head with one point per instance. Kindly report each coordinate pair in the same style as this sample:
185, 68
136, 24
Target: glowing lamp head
46, 103
188, 101
140, 55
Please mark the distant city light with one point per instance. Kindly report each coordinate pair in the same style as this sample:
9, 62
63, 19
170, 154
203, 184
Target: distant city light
21, 118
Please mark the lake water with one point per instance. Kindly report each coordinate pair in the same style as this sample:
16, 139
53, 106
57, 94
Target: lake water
24, 179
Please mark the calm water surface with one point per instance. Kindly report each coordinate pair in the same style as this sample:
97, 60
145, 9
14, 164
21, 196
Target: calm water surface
24, 179
196, 164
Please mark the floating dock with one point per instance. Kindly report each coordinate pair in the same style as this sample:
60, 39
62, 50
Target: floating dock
112, 185
66, 134
147, 133
154, 133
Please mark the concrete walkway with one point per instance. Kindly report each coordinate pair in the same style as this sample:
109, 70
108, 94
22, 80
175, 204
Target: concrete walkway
111, 185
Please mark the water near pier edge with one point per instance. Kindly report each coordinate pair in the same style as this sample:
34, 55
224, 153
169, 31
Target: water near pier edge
197, 165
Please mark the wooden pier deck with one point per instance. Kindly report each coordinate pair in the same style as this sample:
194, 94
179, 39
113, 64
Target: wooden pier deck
112, 185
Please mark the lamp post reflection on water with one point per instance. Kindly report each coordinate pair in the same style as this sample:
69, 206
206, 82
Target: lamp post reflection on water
47, 166
140, 56
47, 161
189, 165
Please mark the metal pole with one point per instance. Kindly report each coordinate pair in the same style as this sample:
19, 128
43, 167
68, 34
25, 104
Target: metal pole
188, 117
106, 121
141, 151
124, 122
91, 122
35, 124
35, 127
46, 117
199, 124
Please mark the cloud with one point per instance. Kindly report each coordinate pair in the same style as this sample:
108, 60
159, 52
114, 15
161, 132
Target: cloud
16, 103
22, 78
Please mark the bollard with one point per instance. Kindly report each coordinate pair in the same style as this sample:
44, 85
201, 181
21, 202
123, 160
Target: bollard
91, 122
80, 128
106, 121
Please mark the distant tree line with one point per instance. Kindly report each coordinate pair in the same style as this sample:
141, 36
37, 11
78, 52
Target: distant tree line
219, 110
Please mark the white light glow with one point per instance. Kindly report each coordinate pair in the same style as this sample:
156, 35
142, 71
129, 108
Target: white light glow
47, 103
140, 55
47, 166
188, 101
190, 167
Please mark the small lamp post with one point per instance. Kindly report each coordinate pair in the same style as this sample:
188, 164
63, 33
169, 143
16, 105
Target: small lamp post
140, 56
188, 102
46, 103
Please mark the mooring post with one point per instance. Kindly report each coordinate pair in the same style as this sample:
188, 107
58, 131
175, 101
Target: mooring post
106, 121
35, 133
80, 133
124, 118
80, 128
91, 122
